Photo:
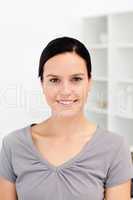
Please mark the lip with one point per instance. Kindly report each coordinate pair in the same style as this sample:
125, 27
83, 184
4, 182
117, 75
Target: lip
72, 102
67, 100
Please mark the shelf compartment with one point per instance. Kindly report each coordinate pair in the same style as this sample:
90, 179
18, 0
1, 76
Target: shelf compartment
121, 28
98, 98
97, 118
95, 30
121, 63
121, 100
99, 62
122, 127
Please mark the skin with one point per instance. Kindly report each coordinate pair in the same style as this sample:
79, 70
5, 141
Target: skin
66, 87
53, 131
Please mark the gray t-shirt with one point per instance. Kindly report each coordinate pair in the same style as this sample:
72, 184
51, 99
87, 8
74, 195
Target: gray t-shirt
103, 162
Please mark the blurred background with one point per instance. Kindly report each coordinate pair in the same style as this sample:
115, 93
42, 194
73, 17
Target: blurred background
106, 27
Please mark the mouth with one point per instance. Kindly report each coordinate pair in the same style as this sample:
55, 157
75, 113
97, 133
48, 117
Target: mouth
67, 102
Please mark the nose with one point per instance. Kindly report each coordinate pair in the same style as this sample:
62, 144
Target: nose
66, 88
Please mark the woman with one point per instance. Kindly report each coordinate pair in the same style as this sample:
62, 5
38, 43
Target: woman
65, 157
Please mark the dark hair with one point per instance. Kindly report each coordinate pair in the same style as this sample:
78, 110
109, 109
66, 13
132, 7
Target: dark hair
62, 45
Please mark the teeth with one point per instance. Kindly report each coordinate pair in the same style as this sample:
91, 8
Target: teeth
66, 102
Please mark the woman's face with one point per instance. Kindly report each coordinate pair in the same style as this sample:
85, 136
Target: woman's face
65, 84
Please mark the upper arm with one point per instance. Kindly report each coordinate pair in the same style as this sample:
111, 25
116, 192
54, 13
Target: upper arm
118, 179
120, 168
122, 192
7, 175
6, 166
7, 190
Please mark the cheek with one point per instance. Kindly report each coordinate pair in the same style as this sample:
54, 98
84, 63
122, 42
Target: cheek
50, 94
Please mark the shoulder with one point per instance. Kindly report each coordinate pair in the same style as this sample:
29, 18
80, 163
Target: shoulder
113, 148
111, 135
15, 137
110, 140
117, 157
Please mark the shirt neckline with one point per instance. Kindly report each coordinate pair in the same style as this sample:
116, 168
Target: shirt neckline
65, 163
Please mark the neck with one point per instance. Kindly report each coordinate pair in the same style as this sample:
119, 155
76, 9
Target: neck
68, 126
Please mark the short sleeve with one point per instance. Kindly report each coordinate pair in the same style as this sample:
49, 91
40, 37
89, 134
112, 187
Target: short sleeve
6, 169
121, 167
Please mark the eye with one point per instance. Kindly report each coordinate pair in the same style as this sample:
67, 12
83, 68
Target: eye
77, 79
53, 80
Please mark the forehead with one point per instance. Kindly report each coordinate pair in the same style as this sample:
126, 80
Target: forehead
65, 63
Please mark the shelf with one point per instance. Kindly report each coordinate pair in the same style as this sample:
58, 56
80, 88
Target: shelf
97, 46
109, 39
123, 45
99, 79
124, 81
125, 116
98, 110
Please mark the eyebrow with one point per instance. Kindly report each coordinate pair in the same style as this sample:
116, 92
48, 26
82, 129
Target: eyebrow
54, 75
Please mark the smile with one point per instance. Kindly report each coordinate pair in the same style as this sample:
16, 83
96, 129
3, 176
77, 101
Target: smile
67, 102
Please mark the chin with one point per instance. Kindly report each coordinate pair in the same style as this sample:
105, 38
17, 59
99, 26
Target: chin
65, 114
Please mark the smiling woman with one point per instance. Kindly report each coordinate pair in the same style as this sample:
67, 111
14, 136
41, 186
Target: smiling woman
65, 157
66, 76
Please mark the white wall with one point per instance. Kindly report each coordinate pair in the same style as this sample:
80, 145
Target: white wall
95, 7
25, 28
24, 31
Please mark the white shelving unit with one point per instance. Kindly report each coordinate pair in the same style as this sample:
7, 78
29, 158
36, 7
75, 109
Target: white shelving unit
109, 39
